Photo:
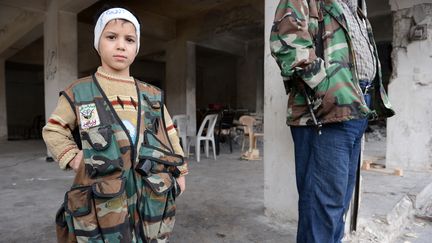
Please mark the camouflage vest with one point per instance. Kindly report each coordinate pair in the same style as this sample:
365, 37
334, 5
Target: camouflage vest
125, 190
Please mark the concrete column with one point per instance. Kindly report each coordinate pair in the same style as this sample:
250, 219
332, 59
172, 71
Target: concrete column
280, 194
409, 134
191, 87
175, 81
180, 84
3, 113
60, 53
247, 80
260, 88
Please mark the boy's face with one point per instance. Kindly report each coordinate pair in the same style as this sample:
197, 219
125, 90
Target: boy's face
117, 46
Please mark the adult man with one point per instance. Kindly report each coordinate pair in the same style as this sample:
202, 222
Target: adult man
330, 67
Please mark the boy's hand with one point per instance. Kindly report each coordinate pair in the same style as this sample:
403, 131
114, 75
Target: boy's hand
182, 183
76, 162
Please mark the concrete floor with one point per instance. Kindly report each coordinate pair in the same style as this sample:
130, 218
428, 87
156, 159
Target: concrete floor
223, 201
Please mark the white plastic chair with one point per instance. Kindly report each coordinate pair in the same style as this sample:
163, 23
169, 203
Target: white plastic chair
209, 137
181, 123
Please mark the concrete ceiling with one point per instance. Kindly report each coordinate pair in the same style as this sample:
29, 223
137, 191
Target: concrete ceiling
33, 5
161, 16
173, 9
234, 21
21, 21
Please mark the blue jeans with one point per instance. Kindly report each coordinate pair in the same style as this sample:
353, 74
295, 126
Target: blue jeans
326, 168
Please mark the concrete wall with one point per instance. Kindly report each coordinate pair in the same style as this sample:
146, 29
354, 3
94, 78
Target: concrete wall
280, 194
3, 113
409, 142
401, 4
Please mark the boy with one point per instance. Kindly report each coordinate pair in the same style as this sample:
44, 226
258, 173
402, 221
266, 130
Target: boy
130, 168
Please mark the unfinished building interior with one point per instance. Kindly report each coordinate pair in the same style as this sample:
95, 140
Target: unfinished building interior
204, 53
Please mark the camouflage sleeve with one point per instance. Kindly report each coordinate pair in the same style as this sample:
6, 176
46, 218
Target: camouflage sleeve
292, 44
57, 133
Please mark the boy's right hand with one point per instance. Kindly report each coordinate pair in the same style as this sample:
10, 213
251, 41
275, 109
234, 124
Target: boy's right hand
76, 161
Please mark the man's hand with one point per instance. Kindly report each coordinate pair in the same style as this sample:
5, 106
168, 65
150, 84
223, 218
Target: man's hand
182, 183
76, 161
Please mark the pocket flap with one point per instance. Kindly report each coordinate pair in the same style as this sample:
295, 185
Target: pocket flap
101, 165
78, 201
160, 183
160, 156
99, 138
109, 188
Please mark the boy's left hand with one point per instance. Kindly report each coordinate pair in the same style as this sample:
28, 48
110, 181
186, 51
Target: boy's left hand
182, 183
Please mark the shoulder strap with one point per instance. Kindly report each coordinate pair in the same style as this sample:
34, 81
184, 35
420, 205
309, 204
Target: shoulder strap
318, 41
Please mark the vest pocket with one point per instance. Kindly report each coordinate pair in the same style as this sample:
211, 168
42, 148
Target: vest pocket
64, 228
111, 209
101, 154
99, 213
99, 138
159, 156
158, 207
78, 204
157, 166
160, 183
102, 166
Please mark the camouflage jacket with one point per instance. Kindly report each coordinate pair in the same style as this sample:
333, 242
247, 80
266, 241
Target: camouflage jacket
331, 78
125, 190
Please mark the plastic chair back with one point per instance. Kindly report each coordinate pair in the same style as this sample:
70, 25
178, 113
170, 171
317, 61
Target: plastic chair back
211, 120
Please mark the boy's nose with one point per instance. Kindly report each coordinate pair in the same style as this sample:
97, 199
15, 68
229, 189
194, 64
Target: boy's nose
120, 45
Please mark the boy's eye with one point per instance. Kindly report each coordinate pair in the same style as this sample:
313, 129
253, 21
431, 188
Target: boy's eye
130, 40
110, 37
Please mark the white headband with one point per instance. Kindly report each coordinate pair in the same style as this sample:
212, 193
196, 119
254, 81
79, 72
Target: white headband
110, 14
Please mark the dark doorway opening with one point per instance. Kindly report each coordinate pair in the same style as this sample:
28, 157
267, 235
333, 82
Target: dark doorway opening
25, 100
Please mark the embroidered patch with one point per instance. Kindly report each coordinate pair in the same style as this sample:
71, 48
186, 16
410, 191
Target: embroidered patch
88, 116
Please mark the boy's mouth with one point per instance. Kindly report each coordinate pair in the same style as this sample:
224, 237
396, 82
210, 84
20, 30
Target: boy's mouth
120, 57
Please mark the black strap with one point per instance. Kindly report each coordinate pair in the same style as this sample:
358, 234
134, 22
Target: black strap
319, 42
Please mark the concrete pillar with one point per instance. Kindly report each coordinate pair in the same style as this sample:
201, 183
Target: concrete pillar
409, 134
260, 88
60, 53
191, 87
3, 113
175, 82
250, 77
246, 80
180, 84
280, 194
